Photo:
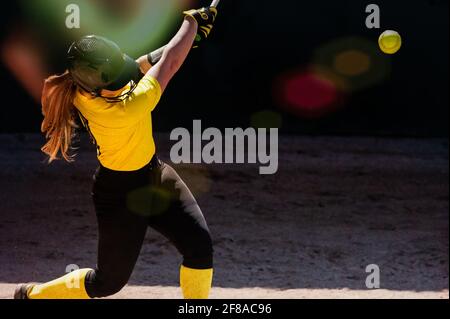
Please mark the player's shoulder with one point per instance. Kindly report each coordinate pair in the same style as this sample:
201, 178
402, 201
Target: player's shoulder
83, 100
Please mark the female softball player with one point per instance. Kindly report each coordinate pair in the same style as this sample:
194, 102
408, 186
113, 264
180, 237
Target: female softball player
114, 97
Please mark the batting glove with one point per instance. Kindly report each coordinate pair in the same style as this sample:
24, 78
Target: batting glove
205, 18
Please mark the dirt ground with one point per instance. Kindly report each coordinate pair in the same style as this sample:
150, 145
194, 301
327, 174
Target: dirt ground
335, 206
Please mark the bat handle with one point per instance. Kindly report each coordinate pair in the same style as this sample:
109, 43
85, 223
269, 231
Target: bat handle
156, 55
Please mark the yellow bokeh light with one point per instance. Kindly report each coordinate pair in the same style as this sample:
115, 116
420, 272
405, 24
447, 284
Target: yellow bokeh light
352, 63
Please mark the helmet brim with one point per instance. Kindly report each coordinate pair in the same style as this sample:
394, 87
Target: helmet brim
130, 71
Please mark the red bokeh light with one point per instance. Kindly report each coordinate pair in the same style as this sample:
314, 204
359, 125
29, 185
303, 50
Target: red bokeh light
307, 94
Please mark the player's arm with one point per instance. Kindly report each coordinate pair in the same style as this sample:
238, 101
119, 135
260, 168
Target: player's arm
167, 61
175, 53
205, 18
146, 62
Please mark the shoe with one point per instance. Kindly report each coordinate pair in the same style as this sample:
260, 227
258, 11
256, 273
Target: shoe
21, 291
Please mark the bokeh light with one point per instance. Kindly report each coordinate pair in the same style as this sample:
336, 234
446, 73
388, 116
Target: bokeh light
357, 61
136, 25
149, 201
197, 177
339, 68
308, 93
266, 119
352, 63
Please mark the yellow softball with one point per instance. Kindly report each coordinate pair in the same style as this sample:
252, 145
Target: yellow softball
390, 42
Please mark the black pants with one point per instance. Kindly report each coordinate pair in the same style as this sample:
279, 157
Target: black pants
126, 203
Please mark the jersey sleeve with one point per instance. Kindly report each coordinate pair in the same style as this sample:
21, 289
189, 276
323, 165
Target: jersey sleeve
145, 97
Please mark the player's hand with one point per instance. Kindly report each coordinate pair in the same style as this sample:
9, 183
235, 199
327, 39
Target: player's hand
205, 18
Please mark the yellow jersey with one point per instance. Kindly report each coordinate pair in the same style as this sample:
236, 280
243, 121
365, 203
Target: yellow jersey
123, 130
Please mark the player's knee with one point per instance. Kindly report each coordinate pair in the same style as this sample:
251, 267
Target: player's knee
104, 284
112, 287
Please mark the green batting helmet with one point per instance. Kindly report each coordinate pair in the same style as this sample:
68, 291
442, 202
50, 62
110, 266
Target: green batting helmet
96, 63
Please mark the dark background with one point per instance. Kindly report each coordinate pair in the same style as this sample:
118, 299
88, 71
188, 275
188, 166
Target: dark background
336, 204
255, 42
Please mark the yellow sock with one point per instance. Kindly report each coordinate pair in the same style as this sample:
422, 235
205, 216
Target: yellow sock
195, 283
70, 286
